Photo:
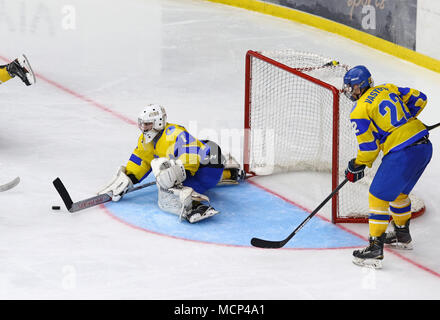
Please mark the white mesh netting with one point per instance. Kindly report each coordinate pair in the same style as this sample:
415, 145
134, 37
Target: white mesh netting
291, 124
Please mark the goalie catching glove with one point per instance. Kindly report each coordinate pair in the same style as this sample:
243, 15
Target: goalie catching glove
118, 186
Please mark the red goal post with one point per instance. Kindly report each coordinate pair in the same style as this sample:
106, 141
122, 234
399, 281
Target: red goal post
288, 96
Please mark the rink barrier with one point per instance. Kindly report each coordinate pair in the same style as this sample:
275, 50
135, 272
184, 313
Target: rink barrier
337, 28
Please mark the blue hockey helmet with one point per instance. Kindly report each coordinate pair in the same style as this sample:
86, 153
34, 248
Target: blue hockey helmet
357, 76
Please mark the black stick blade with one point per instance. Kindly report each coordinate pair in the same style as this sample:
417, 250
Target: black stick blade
63, 193
267, 244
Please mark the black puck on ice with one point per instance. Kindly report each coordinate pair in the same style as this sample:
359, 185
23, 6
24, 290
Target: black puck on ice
56, 207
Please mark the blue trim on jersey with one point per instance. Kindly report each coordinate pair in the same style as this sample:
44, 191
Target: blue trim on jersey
368, 146
361, 125
403, 91
410, 141
400, 210
170, 130
380, 135
411, 104
145, 175
355, 104
156, 138
134, 158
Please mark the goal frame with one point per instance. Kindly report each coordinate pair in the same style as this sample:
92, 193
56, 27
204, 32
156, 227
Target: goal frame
335, 129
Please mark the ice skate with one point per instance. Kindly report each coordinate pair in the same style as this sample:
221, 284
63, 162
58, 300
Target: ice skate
21, 67
233, 174
400, 237
200, 212
372, 255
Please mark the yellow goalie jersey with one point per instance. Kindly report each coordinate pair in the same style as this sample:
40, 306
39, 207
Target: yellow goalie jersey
174, 142
385, 118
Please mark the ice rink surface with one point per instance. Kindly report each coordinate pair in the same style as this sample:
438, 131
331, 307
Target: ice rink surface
98, 63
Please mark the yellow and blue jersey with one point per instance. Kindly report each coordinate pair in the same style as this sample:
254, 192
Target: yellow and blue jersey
173, 142
385, 119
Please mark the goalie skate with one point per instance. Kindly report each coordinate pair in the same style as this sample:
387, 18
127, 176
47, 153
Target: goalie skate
236, 174
200, 212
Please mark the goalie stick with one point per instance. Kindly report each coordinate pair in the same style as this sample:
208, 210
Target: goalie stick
268, 244
89, 202
9, 185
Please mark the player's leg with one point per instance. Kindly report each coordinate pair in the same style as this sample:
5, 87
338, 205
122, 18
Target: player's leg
387, 184
232, 172
397, 175
400, 208
205, 178
378, 219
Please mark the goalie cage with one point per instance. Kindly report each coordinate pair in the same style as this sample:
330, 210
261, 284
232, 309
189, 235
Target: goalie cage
310, 125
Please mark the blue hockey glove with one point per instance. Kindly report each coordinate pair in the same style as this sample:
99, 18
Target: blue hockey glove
354, 172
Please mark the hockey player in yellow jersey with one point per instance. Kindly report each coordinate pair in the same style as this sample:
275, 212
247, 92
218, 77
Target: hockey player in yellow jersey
184, 167
384, 119
21, 68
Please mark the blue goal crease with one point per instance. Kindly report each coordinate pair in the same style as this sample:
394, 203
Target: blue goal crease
246, 211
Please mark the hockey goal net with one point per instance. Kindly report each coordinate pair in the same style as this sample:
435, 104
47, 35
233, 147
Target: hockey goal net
297, 120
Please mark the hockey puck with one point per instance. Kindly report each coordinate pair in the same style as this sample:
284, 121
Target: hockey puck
56, 207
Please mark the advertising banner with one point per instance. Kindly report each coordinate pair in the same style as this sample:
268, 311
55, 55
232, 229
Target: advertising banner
392, 20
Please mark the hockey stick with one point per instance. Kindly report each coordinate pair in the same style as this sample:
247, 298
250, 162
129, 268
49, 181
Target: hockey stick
260, 243
89, 202
9, 185
432, 127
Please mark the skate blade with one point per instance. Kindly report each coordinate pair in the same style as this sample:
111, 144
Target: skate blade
227, 182
370, 263
400, 245
30, 75
198, 217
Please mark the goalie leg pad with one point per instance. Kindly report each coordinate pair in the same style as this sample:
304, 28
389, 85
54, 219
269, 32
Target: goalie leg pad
185, 202
175, 200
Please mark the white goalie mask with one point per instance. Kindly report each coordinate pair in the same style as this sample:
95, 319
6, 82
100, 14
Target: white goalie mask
151, 120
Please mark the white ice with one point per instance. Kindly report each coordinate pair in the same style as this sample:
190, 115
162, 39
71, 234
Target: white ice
189, 56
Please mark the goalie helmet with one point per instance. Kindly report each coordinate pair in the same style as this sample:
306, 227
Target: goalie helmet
152, 120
